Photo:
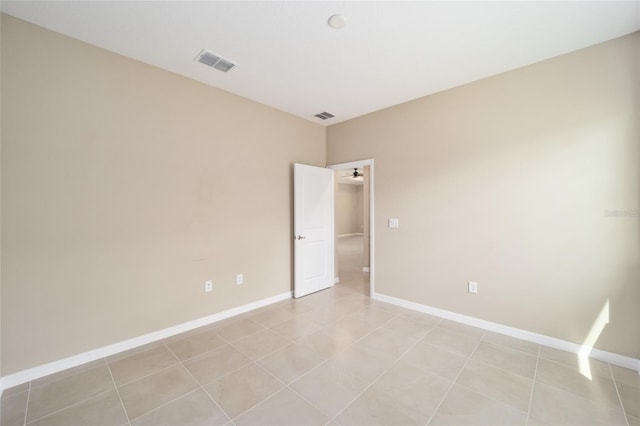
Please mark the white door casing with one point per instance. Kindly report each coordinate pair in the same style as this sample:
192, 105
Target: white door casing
350, 166
313, 229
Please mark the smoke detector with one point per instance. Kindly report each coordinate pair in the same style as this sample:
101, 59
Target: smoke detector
214, 60
337, 21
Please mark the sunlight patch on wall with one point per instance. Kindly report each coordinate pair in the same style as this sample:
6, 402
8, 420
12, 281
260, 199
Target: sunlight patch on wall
587, 346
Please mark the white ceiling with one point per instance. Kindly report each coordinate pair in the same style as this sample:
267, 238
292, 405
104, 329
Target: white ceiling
289, 58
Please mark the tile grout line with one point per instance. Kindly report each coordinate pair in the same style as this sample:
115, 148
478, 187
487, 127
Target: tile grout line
26, 408
200, 387
75, 404
383, 373
510, 372
113, 380
147, 375
615, 384
455, 379
533, 386
285, 385
288, 385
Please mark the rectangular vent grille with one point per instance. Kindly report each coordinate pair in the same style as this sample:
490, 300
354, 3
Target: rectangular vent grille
324, 115
215, 61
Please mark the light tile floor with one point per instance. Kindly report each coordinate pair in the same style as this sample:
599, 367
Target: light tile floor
334, 357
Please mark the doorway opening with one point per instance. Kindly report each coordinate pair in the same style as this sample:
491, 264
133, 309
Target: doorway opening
354, 235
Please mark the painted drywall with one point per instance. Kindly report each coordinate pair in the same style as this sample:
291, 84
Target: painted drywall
526, 182
124, 188
349, 209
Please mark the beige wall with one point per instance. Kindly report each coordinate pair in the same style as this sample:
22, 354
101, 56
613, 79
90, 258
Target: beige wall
506, 181
124, 188
349, 209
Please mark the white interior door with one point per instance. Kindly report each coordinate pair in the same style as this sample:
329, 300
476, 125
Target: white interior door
313, 228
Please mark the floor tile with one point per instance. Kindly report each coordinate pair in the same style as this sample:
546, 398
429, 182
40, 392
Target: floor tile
68, 372
363, 364
570, 380
453, 341
388, 307
553, 406
16, 389
294, 306
626, 376
409, 326
195, 344
296, 327
291, 362
237, 329
144, 348
323, 317
323, 344
345, 306
349, 328
271, 317
259, 344
374, 317
151, 392
497, 384
434, 360
104, 409
193, 409
14, 406
284, 408
392, 342
461, 328
215, 364
426, 320
630, 396
377, 408
329, 388
141, 364
507, 359
568, 359
465, 407
414, 387
235, 393
511, 342
53, 396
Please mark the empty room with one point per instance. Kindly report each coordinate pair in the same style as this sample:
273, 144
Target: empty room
331, 213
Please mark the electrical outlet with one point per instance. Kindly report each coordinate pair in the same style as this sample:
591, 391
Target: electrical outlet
239, 279
208, 286
473, 287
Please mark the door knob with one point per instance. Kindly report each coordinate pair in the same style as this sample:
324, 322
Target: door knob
300, 237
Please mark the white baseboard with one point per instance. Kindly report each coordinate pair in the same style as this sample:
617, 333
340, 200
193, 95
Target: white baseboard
105, 351
365, 269
351, 235
610, 357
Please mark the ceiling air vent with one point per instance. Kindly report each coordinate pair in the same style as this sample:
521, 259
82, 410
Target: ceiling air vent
215, 61
324, 115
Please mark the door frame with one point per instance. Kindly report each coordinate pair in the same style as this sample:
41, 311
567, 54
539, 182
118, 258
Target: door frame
350, 165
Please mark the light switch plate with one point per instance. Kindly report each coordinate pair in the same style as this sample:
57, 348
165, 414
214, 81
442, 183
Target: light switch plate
394, 222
